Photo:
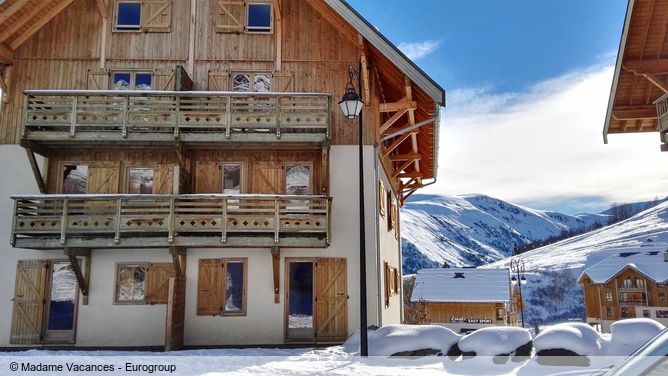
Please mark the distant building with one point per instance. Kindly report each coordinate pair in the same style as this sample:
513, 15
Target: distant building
467, 299
628, 284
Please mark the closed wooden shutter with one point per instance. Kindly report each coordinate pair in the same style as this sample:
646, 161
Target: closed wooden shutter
29, 299
97, 80
218, 80
283, 82
210, 287
207, 177
103, 178
157, 17
163, 179
157, 282
267, 178
164, 80
331, 300
230, 16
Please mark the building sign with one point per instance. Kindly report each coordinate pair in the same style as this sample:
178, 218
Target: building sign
470, 320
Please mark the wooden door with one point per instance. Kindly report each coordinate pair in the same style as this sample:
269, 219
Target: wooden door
331, 300
29, 299
267, 178
163, 179
103, 178
207, 177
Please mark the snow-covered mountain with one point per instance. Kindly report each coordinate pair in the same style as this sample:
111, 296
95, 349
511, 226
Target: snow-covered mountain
473, 230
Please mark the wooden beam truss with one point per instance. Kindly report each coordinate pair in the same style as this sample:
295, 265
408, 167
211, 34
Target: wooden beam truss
276, 271
83, 277
34, 166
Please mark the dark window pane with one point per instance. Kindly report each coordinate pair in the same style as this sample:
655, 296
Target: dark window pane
140, 181
122, 81
75, 179
143, 81
301, 295
129, 15
232, 178
235, 287
63, 297
259, 17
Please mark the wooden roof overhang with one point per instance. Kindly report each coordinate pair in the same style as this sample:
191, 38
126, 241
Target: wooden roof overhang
641, 71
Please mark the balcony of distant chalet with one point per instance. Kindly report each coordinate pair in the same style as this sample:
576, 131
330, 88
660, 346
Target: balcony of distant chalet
188, 220
83, 118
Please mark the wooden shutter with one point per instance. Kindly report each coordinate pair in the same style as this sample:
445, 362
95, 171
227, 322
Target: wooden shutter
218, 80
97, 80
207, 177
163, 179
164, 80
210, 287
267, 178
331, 299
387, 287
397, 280
157, 17
103, 178
29, 298
230, 16
157, 282
283, 82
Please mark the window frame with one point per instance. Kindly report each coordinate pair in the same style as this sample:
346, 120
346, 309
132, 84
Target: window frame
251, 80
126, 177
224, 261
131, 28
133, 77
61, 173
309, 165
120, 265
259, 29
242, 183
608, 296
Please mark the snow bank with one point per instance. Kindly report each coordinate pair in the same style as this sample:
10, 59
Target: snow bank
392, 339
579, 338
629, 335
495, 340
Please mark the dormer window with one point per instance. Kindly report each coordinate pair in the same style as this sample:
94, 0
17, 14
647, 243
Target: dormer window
128, 16
258, 18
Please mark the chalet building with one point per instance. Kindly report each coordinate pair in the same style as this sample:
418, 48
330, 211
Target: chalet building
466, 299
639, 95
626, 285
180, 172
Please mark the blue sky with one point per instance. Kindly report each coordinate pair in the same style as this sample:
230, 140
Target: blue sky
528, 85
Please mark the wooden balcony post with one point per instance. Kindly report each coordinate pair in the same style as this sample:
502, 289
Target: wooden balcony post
170, 238
278, 117
223, 237
63, 223
329, 221
277, 220
117, 231
329, 117
228, 117
126, 105
73, 117
177, 116
12, 239
25, 116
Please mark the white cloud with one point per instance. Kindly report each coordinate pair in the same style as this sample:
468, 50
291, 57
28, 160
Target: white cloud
545, 145
418, 50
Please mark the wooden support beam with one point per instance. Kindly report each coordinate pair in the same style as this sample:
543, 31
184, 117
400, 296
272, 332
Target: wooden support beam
395, 144
406, 195
333, 18
27, 16
276, 269
102, 8
72, 254
398, 106
178, 260
103, 42
278, 35
6, 54
35, 171
407, 128
43, 20
408, 175
647, 66
634, 112
10, 10
392, 120
406, 157
366, 91
401, 169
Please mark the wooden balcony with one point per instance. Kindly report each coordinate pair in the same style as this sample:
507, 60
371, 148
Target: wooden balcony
71, 118
148, 221
662, 112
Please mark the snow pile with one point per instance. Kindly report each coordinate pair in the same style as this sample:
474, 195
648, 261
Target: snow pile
629, 335
578, 338
397, 338
493, 341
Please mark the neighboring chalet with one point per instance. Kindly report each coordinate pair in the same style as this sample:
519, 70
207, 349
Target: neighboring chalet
466, 299
625, 285
181, 174
639, 95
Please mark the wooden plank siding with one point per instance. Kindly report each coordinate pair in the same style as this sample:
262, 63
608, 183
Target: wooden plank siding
442, 312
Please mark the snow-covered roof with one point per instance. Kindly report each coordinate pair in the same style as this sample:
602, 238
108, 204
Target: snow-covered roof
652, 264
462, 285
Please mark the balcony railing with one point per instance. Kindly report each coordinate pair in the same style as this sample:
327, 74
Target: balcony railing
134, 117
662, 112
200, 220
630, 289
633, 302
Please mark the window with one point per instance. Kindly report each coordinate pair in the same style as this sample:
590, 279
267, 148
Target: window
499, 314
662, 297
75, 179
251, 82
608, 311
388, 286
259, 18
382, 199
143, 283
397, 280
298, 179
640, 283
608, 296
232, 178
132, 80
221, 287
128, 16
628, 283
661, 314
140, 181
646, 313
